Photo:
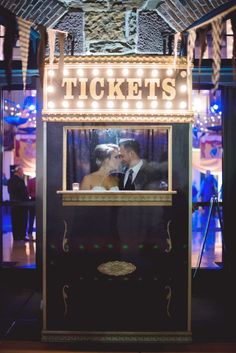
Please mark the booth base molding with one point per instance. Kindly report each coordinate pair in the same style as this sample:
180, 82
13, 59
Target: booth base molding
116, 337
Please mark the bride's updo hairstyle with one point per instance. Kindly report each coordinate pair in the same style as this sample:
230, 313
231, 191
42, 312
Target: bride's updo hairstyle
103, 151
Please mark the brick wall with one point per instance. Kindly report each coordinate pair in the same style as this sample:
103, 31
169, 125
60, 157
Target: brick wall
47, 12
180, 15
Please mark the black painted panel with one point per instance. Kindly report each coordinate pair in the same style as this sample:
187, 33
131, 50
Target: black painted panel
154, 297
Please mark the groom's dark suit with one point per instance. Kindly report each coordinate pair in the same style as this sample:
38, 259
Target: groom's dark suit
148, 178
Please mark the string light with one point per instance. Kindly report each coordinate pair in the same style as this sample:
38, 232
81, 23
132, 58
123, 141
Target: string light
125, 72
94, 104
17, 114
169, 72
183, 88
95, 72
168, 105
65, 72
183, 105
51, 104
50, 89
80, 104
125, 105
80, 72
110, 104
140, 72
110, 72
154, 104
51, 73
139, 105
207, 113
154, 73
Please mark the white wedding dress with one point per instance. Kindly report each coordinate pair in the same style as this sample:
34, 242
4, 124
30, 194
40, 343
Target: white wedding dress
101, 188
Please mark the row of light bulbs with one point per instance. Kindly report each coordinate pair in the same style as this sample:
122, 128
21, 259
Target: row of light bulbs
124, 105
110, 72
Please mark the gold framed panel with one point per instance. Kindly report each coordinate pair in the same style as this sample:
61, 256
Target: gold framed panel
155, 89
121, 197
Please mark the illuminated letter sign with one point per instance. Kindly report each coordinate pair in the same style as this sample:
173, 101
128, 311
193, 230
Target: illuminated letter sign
125, 86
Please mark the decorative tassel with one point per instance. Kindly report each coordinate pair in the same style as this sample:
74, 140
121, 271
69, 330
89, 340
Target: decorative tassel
203, 44
9, 43
24, 36
51, 41
41, 52
233, 24
217, 29
183, 43
176, 40
61, 38
191, 43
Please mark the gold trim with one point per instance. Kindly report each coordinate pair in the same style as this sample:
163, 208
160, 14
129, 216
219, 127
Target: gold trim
112, 118
170, 153
116, 198
168, 298
120, 198
168, 240
65, 244
145, 59
116, 268
65, 290
44, 220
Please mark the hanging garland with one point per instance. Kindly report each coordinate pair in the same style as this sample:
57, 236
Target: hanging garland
216, 24
24, 33
15, 28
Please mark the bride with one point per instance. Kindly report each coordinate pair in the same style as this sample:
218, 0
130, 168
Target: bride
107, 159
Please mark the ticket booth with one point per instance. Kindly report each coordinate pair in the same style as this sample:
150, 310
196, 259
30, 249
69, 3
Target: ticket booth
116, 262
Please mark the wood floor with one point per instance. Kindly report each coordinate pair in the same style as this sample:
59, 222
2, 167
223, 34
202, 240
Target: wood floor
38, 347
212, 254
18, 253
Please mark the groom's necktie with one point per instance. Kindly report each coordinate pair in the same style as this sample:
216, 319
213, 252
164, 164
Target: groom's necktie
129, 183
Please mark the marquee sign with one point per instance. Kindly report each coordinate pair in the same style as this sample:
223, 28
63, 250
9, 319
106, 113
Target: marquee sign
118, 89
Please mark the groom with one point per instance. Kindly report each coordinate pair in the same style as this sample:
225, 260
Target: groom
139, 175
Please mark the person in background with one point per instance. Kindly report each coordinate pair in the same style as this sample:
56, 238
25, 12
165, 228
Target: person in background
208, 187
4, 179
220, 193
18, 196
194, 191
31, 186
